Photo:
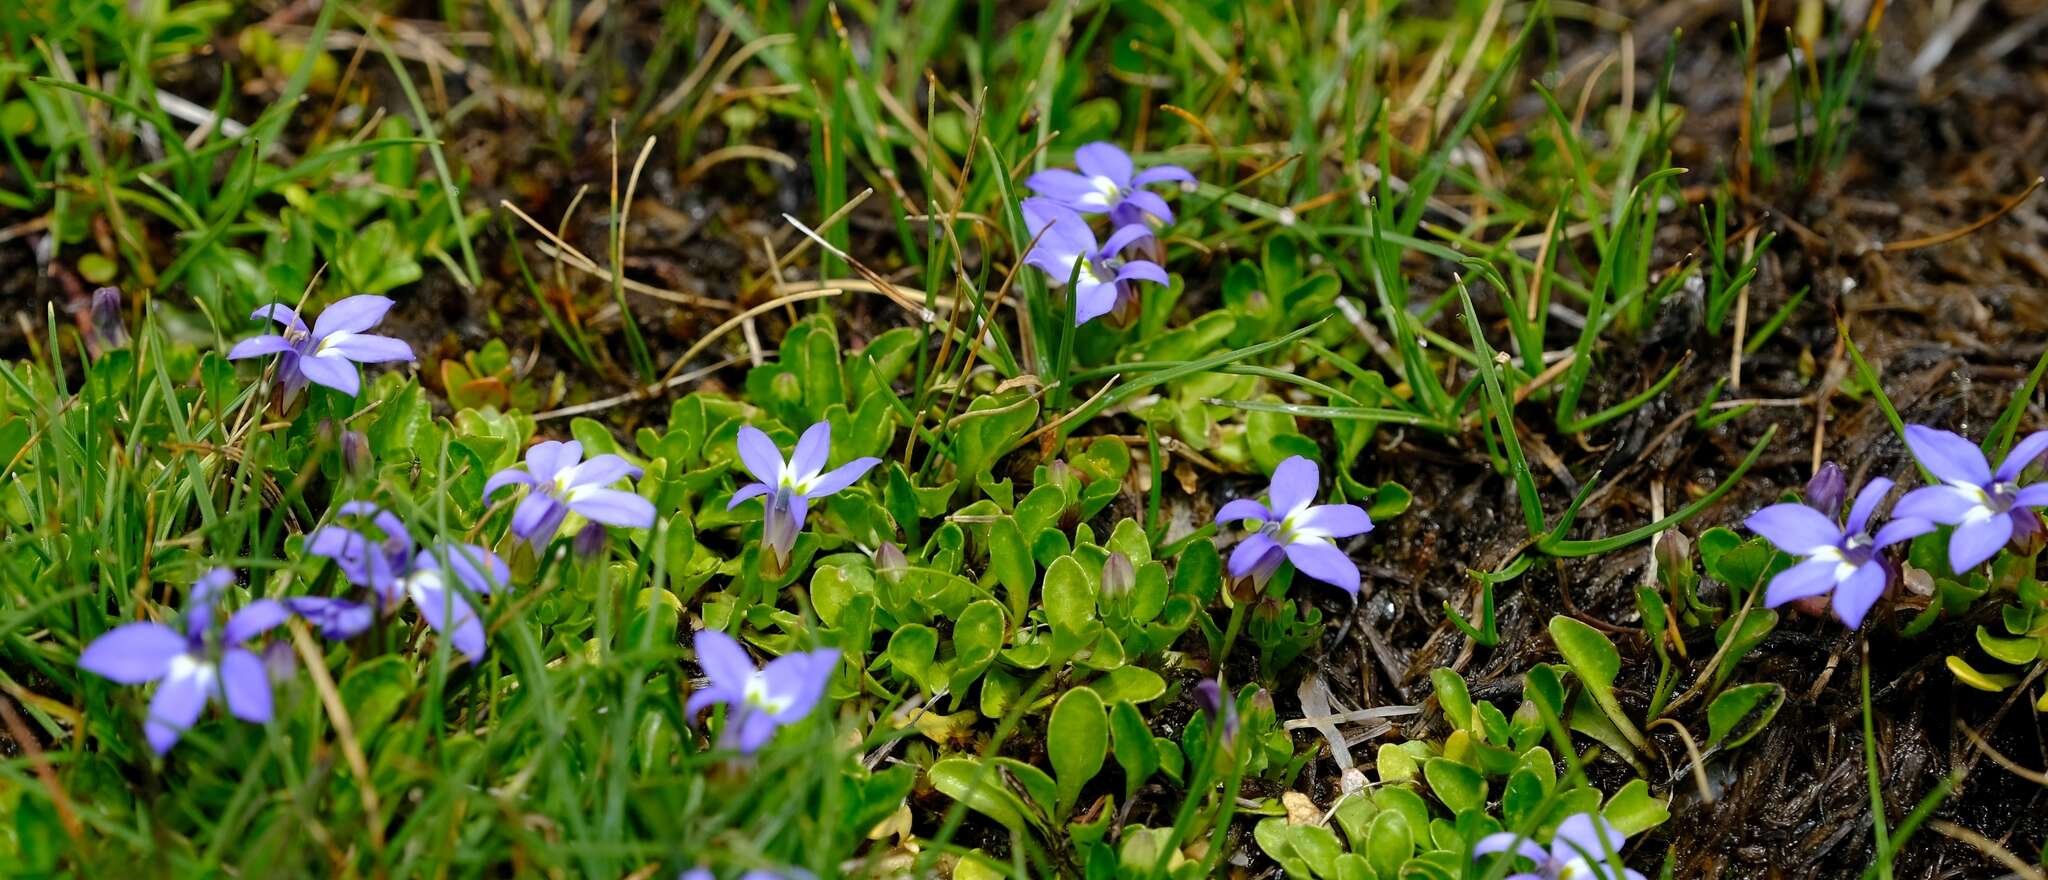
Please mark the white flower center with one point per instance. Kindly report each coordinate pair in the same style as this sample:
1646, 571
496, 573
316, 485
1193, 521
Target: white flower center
327, 344
1105, 194
1983, 505
190, 666
1843, 567
759, 697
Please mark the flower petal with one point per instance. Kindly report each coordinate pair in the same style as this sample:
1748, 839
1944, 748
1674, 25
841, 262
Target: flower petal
1124, 237
602, 470
246, 685
1294, 485
799, 679
351, 315
841, 477
368, 348
1505, 842
1335, 520
1058, 230
1064, 187
723, 660
1859, 591
1942, 504
760, 455
812, 450
133, 653
1325, 562
282, 314
547, 458
1586, 836
613, 507
1149, 202
1795, 528
1948, 456
477, 568
1866, 504
750, 490
2023, 453
445, 611
1162, 174
749, 730
255, 619
336, 618
1104, 159
1810, 578
532, 518
333, 371
1249, 551
1972, 543
1901, 529
258, 346
1092, 301
1240, 510
511, 476
177, 704
1143, 270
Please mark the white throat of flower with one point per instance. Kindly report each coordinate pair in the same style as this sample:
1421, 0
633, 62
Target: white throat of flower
192, 667
1985, 505
796, 483
758, 696
1843, 567
1291, 528
565, 487
327, 345
1105, 193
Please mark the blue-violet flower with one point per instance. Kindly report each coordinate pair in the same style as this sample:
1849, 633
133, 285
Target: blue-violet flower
1295, 530
328, 353
1986, 507
761, 700
790, 487
1848, 561
561, 486
1109, 182
1586, 847
1104, 280
389, 568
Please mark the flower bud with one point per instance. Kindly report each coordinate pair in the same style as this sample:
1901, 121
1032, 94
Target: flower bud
890, 561
1674, 552
108, 331
1118, 576
2028, 535
1218, 706
590, 541
355, 452
278, 661
1827, 489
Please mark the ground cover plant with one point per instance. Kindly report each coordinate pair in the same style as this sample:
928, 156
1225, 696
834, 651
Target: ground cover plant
735, 438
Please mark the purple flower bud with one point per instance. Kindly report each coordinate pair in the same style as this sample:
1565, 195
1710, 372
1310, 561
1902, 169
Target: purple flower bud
1674, 551
278, 661
1221, 709
1827, 489
109, 331
355, 452
1118, 576
890, 561
2028, 535
591, 540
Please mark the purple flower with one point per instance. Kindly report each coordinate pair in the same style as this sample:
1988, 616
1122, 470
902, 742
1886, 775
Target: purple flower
336, 619
328, 353
1848, 560
1295, 530
1985, 507
1586, 847
1104, 281
388, 567
190, 671
1219, 705
763, 699
791, 487
1106, 184
561, 486
702, 873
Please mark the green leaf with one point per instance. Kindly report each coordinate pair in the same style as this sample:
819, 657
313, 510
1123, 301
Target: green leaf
1595, 661
977, 636
2016, 652
981, 788
1453, 697
1632, 809
1460, 787
988, 429
1070, 606
1134, 747
1077, 741
911, 650
1390, 842
1742, 712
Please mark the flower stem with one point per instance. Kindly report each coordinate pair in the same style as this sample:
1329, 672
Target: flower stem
1884, 844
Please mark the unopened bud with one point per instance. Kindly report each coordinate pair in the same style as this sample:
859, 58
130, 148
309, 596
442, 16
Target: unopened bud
1827, 489
2028, 535
1118, 576
355, 452
590, 541
109, 330
1674, 552
277, 661
890, 561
